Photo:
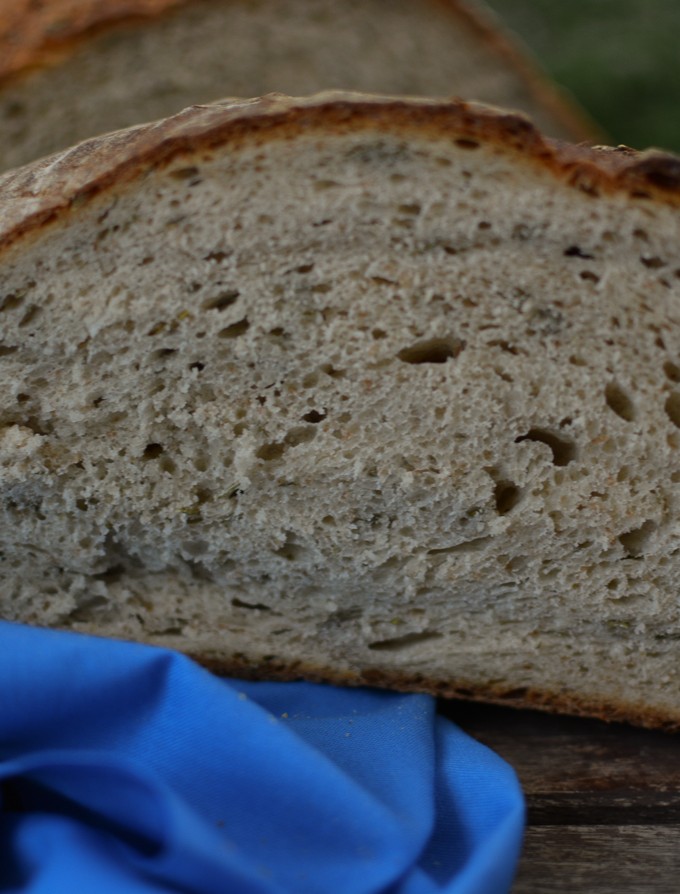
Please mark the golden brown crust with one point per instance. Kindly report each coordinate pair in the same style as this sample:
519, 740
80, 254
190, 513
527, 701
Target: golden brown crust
564, 702
45, 191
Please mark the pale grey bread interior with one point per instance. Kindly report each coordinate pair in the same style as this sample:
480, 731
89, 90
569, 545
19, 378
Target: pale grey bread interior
209, 49
362, 401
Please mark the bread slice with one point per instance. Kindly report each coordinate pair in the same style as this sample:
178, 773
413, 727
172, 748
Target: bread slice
70, 69
361, 389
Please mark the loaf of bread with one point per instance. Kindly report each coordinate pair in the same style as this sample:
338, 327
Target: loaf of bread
72, 69
359, 389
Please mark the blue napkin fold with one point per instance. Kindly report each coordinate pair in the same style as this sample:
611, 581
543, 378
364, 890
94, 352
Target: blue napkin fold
126, 768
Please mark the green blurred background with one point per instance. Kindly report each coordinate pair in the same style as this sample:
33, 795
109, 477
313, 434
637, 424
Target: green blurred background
619, 58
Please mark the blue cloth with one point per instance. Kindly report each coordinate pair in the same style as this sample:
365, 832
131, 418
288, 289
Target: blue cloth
129, 769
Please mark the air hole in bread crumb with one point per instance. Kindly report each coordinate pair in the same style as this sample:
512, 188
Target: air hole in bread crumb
466, 546
652, 261
221, 301
506, 496
407, 641
152, 451
291, 549
218, 256
252, 606
187, 173
465, 143
235, 329
433, 350
203, 495
30, 315
672, 408
269, 452
575, 360
619, 402
413, 208
613, 584
574, 251
503, 345
328, 520
635, 542
672, 371
589, 276
201, 462
300, 435
8, 349
12, 301
314, 417
383, 281
167, 465
378, 333
331, 371
563, 449
195, 547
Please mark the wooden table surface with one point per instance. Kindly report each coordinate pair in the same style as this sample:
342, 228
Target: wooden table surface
603, 800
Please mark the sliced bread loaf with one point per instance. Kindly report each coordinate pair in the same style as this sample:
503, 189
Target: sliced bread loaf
366, 390
70, 69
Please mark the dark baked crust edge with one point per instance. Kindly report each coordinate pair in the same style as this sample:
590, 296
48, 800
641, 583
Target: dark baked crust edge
43, 192
563, 702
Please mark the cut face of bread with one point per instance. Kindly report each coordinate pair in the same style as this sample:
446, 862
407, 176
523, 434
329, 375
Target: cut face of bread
72, 69
368, 390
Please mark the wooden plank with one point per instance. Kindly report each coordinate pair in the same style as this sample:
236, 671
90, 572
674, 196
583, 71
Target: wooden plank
560, 759
603, 800
599, 860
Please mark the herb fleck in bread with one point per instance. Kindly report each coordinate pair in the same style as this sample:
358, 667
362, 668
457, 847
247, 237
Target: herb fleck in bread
369, 390
70, 69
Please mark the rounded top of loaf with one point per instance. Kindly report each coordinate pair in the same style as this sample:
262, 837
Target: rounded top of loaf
39, 35
44, 192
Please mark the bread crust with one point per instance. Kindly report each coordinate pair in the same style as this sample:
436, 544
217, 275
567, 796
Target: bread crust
34, 37
564, 702
44, 192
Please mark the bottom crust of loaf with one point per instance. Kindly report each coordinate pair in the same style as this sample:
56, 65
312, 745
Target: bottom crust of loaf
563, 702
